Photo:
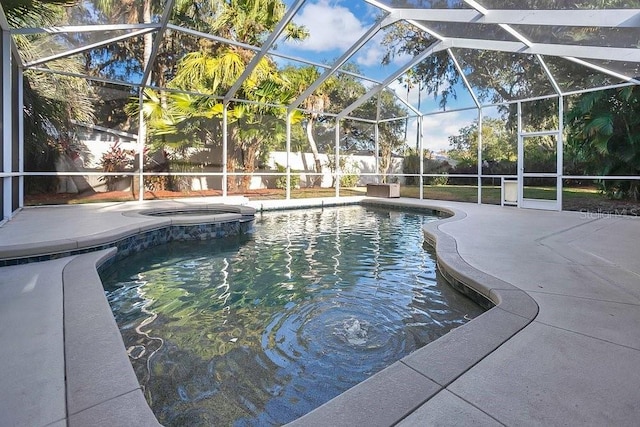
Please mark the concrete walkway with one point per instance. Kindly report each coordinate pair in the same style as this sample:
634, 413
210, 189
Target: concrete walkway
576, 361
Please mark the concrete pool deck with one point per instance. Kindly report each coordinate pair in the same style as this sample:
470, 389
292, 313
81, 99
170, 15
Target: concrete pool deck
562, 346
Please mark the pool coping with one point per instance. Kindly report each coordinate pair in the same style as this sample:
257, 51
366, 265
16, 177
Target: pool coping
23, 253
113, 395
392, 394
101, 385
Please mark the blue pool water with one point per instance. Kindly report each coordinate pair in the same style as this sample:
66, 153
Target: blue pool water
262, 328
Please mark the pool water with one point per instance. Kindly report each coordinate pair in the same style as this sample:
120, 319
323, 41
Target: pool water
262, 328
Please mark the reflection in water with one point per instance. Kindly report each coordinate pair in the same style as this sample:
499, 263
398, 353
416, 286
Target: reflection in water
261, 329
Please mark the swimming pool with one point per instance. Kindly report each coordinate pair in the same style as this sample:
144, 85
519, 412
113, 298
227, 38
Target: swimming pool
262, 328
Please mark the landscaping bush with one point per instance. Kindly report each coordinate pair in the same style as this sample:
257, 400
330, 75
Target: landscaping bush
116, 159
281, 181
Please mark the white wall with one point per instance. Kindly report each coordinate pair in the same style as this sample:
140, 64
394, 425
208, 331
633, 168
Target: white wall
97, 143
355, 164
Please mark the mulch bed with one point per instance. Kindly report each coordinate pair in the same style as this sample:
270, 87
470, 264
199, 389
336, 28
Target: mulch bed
124, 196
600, 205
604, 206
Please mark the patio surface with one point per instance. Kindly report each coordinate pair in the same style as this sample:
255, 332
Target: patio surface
561, 347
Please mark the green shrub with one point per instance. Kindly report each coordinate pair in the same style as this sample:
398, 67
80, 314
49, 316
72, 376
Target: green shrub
411, 165
116, 159
281, 181
349, 180
439, 180
350, 175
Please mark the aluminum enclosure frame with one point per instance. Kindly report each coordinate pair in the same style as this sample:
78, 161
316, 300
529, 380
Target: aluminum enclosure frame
508, 20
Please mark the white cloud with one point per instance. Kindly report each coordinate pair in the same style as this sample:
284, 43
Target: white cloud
439, 127
330, 26
371, 57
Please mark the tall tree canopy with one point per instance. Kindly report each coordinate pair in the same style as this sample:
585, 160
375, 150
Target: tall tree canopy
52, 102
604, 133
213, 69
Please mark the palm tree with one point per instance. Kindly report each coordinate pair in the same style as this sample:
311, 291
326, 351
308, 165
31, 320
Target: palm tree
133, 11
315, 104
257, 126
605, 134
51, 102
215, 67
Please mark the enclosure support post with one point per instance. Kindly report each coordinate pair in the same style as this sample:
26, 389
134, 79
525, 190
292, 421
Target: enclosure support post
337, 159
376, 136
141, 133
560, 152
20, 108
6, 128
288, 189
224, 149
479, 156
520, 157
420, 154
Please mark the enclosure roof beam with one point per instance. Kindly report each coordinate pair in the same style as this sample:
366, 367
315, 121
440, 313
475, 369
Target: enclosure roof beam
339, 63
618, 18
464, 78
483, 12
547, 71
587, 52
257, 49
406, 104
86, 77
321, 65
519, 36
380, 5
211, 37
4, 26
282, 25
426, 29
603, 70
83, 28
573, 53
164, 20
436, 36
438, 46
88, 47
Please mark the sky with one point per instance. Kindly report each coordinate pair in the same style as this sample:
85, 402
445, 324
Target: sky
335, 25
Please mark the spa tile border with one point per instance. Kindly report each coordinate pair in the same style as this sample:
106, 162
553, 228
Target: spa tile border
132, 239
392, 394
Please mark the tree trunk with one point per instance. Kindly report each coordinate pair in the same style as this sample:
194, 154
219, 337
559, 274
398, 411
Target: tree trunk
314, 150
634, 191
233, 157
232, 165
385, 161
249, 164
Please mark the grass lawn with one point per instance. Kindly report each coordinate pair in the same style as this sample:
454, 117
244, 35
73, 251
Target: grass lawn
491, 194
574, 198
123, 196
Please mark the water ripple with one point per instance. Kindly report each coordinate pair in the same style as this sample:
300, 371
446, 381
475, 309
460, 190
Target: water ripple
260, 329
